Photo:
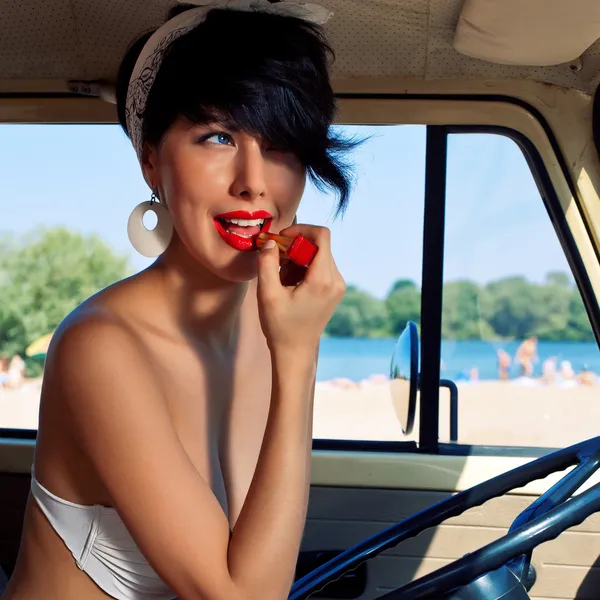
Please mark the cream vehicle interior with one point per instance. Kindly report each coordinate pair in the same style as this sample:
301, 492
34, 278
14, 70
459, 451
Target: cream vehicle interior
525, 70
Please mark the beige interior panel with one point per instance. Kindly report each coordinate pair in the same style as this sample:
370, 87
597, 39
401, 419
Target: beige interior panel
421, 471
16, 456
367, 469
341, 517
56, 110
536, 32
85, 40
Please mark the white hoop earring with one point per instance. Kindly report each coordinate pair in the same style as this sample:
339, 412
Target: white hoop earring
150, 242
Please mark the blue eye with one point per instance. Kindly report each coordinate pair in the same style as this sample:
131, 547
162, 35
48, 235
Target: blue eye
222, 138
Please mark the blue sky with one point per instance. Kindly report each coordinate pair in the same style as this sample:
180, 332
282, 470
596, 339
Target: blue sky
87, 178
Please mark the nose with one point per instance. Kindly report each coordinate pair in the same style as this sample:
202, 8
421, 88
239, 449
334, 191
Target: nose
249, 180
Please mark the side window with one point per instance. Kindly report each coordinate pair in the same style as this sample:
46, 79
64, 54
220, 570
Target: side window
516, 337
69, 191
377, 246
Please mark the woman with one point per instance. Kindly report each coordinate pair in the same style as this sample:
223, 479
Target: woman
173, 453
15, 373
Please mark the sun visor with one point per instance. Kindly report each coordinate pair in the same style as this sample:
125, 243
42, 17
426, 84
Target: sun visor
527, 32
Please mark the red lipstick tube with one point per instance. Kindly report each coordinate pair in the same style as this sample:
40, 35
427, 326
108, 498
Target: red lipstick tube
297, 249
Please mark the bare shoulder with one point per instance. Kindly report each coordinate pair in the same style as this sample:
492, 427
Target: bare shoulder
95, 356
96, 327
86, 334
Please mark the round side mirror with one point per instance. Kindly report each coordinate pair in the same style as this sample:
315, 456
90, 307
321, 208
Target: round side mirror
404, 376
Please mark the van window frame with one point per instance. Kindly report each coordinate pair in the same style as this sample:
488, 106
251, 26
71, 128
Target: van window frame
432, 266
433, 236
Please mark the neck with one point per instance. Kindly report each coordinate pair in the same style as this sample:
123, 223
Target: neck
202, 304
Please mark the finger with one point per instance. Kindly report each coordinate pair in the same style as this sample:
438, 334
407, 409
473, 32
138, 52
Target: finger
321, 236
268, 267
291, 274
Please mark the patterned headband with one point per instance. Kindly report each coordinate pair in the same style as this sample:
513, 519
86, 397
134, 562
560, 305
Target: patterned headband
150, 59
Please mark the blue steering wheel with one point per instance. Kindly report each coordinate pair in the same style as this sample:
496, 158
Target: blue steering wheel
545, 519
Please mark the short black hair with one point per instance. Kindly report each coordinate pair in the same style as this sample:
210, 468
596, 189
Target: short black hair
258, 72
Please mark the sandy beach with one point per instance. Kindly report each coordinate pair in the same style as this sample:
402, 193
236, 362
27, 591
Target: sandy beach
490, 412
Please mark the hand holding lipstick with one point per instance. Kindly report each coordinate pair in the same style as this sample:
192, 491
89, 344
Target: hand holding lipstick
297, 249
293, 318
295, 253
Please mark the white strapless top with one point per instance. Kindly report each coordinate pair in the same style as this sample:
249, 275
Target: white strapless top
102, 547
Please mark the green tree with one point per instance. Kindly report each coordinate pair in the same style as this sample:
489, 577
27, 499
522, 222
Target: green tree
514, 308
344, 322
44, 276
554, 299
358, 315
578, 327
462, 317
403, 304
511, 308
402, 284
559, 279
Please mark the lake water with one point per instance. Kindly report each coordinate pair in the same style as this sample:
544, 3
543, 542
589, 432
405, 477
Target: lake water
357, 358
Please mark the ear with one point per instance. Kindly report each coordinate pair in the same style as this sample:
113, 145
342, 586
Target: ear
149, 164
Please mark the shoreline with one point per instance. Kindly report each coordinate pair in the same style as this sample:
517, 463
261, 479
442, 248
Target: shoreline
506, 413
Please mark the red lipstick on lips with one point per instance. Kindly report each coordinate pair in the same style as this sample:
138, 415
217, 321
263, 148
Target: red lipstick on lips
242, 237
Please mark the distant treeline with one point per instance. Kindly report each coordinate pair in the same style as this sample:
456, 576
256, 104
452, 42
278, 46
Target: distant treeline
509, 308
48, 272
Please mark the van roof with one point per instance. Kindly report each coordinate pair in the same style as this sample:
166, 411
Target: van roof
52, 43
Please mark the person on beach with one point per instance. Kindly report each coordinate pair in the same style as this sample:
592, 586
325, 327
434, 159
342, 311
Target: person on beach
15, 374
3, 370
473, 374
549, 370
504, 362
526, 356
175, 427
566, 370
586, 376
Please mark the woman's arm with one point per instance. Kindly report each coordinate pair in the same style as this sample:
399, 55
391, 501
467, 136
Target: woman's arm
108, 396
266, 538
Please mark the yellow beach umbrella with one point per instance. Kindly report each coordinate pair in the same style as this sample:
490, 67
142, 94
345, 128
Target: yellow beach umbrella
39, 348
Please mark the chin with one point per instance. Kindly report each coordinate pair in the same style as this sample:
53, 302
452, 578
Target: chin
238, 276
222, 262
243, 268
